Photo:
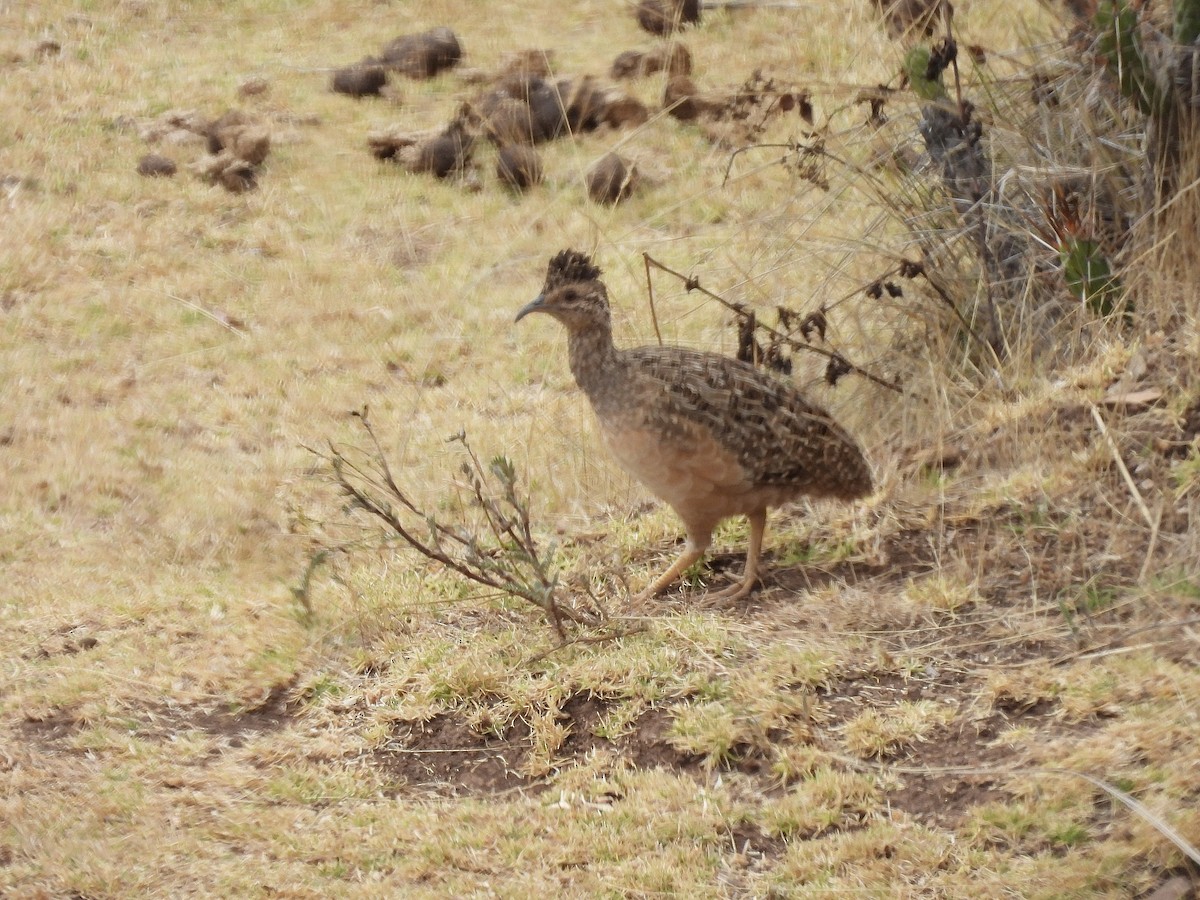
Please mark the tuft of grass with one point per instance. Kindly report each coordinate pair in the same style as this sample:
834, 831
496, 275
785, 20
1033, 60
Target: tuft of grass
875, 733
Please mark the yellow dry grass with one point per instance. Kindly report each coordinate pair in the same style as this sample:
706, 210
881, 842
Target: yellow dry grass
171, 725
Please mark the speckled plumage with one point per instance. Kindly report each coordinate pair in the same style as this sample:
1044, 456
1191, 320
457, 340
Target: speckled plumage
710, 435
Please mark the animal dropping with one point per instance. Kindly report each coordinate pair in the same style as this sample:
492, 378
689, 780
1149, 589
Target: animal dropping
610, 180
519, 166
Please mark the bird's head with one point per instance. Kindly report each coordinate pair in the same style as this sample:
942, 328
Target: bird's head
573, 293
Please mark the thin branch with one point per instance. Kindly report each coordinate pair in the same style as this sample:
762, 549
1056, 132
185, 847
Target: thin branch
508, 560
693, 284
650, 294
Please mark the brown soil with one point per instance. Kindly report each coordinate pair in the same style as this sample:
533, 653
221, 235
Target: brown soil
446, 756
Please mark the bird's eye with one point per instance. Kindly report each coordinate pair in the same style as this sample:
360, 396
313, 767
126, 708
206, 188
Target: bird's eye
569, 295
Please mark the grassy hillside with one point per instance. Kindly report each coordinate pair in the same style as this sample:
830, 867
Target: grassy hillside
982, 680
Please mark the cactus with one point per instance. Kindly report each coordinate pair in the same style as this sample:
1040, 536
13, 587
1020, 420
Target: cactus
1089, 275
916, 67
1117, 23
1187, 21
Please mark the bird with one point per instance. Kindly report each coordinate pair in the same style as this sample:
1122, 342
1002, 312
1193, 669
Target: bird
711, 436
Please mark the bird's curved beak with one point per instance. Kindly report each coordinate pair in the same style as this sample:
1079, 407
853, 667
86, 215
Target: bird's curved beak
536, 304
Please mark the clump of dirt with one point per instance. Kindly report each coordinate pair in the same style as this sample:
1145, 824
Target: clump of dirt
526, 108
521, 108
177, 127
445, 754
738, 117
682, 100
237, 143
446, 153
232, 173
529, 63
254, 86
449, 756
271, 712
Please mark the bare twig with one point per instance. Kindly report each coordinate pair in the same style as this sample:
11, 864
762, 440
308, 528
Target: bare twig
650, 294
506, 557
693, 284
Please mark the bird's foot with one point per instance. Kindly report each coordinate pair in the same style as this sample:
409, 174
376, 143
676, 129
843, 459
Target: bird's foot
727, 597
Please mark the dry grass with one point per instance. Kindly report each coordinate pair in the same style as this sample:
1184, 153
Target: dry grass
869, 723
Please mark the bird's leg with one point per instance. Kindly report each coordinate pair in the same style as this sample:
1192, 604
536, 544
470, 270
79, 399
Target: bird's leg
692, 551
739, 589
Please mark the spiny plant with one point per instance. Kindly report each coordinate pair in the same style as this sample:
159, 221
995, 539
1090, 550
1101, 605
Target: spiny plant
1162, 81
1030, 200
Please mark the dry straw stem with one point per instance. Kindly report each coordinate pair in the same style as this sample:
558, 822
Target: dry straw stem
1124, 470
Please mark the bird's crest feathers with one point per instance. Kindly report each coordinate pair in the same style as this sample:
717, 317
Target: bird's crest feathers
567, 266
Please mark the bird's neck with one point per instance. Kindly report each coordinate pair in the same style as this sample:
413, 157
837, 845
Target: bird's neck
594, 360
